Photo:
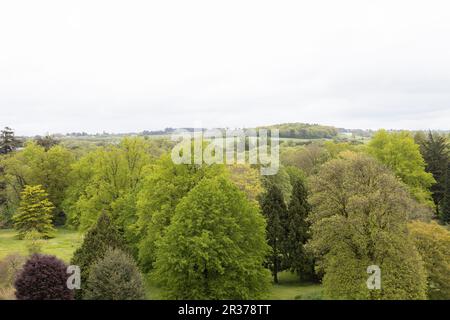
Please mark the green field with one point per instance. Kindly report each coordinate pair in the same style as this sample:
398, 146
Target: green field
62, 246
67, 241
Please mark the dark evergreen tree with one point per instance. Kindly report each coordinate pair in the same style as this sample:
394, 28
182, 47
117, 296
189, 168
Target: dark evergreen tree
46, 142
435, 151
445, 211
296, 258
8, 142
275, 211
43, 277
102, 236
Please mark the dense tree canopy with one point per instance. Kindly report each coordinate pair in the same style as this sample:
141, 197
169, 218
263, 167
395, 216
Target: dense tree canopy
215, 246
433, 243
399, 152
360, 219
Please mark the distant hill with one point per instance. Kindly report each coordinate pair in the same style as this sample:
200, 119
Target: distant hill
304, 130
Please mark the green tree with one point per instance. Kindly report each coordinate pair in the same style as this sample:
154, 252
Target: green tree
445, 211
296, 257
214, 247
35, 213
108, 180
359, 219
35, 166
399, 152
433, 243
8, 141
435, 151
103, 235
163, 187
275, 210
114, 277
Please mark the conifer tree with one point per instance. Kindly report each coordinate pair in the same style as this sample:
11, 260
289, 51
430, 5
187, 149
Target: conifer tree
445, 215
297, 259
275, 211
34, 213
435, 151
115, 277
8, 142
102, 236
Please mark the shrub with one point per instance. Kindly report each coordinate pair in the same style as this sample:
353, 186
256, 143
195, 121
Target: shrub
10, 266
115, 277
43, 277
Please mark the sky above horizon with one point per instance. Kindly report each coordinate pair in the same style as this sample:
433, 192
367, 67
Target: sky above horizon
128, 66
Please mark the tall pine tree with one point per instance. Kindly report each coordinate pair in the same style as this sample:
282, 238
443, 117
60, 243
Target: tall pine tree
445, 211
435, 151
35, 212
8, 142
102, 236
275, 211
297, 259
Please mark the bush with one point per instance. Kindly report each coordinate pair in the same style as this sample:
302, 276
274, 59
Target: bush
115, 277
43, 277
10, 266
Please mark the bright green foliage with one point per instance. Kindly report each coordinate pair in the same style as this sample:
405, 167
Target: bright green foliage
399, 152
435, 151
35, 212
164, 185
103, 235
445, 210
115, 277
296, 257
359, 219
35, 166
307, 158
275, 211
108, 180
433, 243
214, 247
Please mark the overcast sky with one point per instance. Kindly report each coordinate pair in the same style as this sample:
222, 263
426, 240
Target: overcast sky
124, 66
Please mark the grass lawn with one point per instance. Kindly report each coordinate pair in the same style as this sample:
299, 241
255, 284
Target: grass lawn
62, 246
289, 288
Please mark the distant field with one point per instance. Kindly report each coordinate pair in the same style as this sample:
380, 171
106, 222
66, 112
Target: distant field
62, 246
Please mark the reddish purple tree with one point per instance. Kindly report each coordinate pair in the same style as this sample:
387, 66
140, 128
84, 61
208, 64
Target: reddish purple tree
43, 277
